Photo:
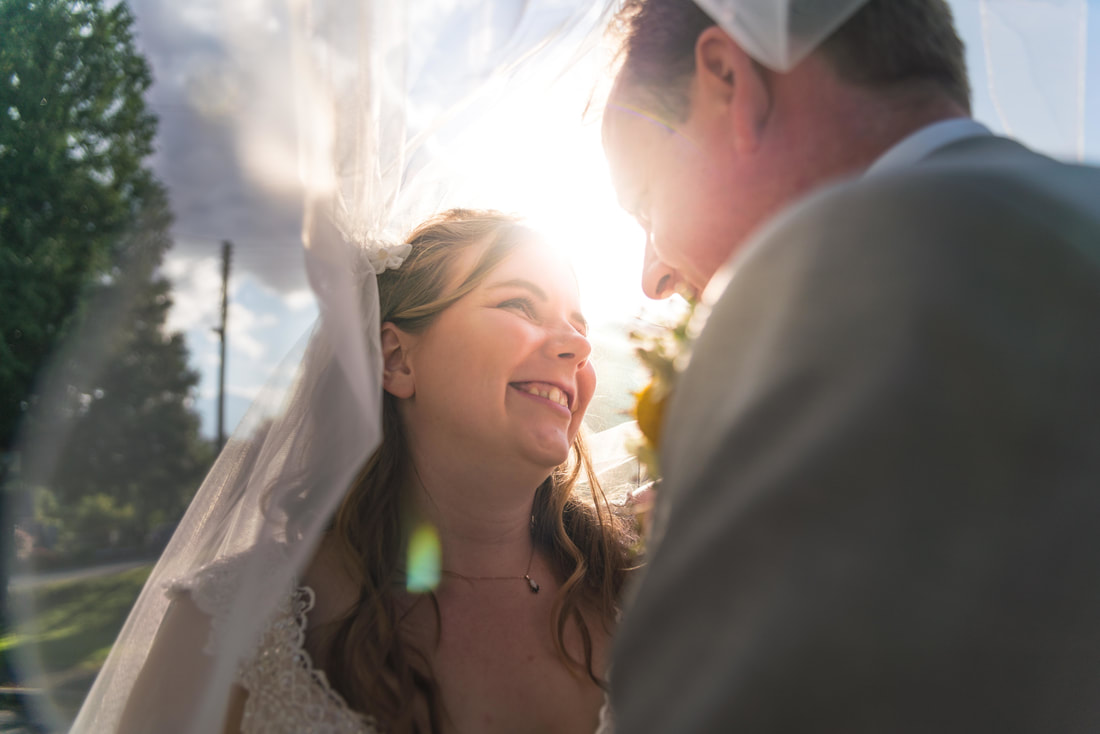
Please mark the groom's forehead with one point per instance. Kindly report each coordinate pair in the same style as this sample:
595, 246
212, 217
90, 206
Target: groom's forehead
621, 113
635, 137
629, 101
625, 125
622, 157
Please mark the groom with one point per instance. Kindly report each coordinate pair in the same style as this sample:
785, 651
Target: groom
881, 506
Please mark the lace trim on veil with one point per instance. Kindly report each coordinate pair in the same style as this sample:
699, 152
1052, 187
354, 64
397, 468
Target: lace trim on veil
213, 589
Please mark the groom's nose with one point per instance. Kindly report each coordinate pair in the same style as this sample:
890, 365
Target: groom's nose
658, 280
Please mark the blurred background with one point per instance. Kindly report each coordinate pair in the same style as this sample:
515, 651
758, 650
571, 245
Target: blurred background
151, 269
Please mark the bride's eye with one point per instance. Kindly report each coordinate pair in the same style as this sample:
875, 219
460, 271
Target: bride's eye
524, 305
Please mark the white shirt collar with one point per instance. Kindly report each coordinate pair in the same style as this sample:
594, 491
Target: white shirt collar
925, 141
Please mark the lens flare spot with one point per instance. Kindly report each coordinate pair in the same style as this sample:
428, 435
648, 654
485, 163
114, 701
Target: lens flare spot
424, 560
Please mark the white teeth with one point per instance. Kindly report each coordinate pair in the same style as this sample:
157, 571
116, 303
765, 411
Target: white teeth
545, 391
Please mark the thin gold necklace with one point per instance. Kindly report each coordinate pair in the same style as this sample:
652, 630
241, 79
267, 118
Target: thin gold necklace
531, 583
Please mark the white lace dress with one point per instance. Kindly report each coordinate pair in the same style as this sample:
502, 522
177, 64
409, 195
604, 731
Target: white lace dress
286, 694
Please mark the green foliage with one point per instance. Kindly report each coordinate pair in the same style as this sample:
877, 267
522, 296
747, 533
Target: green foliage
664, 350
112, 446
95, 520
67, 629
134, 436
74, 132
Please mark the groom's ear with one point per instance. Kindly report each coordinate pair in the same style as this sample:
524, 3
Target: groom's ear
397, 372
730, 89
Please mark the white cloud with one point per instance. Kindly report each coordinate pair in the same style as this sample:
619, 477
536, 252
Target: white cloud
196, 291
248, 392
196, 284
242, 323
300, 300
199, 16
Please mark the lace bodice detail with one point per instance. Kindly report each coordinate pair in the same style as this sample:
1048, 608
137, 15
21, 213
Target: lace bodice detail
286, 694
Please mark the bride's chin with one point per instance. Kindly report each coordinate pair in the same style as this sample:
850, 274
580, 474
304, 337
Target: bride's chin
545, 448
550, 457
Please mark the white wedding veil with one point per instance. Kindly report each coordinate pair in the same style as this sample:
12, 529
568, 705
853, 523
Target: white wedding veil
779, 34
387, 91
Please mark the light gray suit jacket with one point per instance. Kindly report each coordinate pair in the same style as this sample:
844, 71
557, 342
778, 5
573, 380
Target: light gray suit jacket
881, 506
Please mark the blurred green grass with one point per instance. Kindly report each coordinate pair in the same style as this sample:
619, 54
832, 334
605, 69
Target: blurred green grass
59, 646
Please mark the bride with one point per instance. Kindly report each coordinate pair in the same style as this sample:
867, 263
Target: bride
486, 378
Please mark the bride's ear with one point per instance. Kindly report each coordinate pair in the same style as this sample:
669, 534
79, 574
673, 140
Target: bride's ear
397, 373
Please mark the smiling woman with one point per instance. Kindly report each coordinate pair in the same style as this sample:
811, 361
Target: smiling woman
481, 315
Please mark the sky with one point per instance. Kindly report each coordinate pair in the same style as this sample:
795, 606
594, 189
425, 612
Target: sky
227, 150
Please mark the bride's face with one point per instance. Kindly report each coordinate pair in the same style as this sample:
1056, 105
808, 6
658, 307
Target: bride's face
503, 374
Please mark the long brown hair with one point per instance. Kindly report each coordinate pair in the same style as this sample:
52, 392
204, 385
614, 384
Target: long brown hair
364, 654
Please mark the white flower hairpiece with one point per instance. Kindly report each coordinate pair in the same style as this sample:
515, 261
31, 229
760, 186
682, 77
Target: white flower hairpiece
371, 247
383, 256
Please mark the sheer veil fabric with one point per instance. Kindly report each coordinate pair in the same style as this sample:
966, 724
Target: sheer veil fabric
779, 34
384, 90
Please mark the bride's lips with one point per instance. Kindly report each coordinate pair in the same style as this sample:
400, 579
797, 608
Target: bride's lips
550, 392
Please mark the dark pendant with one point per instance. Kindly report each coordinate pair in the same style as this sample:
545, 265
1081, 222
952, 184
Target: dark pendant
531, 582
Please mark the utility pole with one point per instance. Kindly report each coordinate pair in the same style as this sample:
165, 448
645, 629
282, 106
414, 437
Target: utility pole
227, 254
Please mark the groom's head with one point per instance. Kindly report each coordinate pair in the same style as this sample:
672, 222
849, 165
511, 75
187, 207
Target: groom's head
706, 143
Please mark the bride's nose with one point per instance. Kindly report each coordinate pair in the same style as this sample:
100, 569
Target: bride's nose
568, 343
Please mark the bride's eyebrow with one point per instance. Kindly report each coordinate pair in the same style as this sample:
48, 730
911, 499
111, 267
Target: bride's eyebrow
538, 293
522, 283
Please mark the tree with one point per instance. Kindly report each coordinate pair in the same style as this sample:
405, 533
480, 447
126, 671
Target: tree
80, 216
112, 439
134, 448
132, 455
74, 135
